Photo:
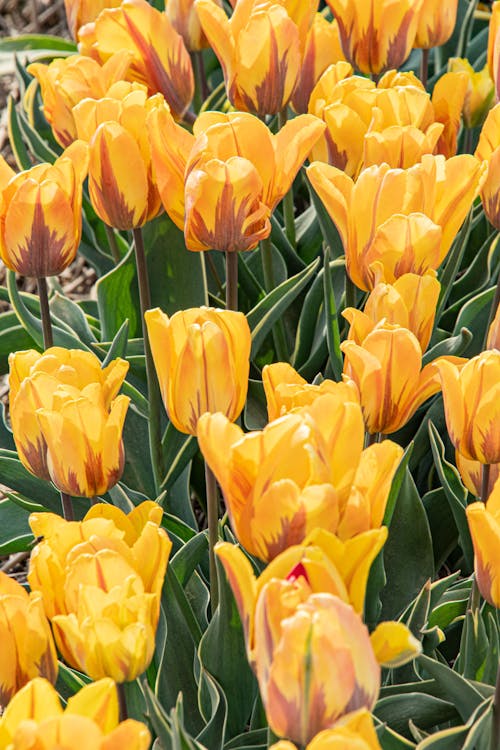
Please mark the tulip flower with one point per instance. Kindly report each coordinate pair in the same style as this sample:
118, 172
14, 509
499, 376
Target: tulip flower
488, 148
387, 369
183, 16
484, 526
493, 340
201, 357
493, 56
68, 80
414, 213
355, 731
35, 718
436, 22
101, 582
41, 214
471, 473
115, 129
34, 379
410, 302
479, 93
471, 404
160, 60
259, 51
304, 470
287, 391
80, 12
28, 649
376, 35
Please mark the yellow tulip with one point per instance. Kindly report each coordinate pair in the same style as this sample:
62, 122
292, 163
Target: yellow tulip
488, 148
28, 650
448, 100
160, 60
493, 57
183, 16
287, 391
41, 214
101, 582
435, 23
259, 51
394, 644
414, 214
472, 474
201, 358
471, 404
35, 718
355, 731
387, 369
410, 302
307, 469
493, 340
376, 35
80, 12
484, 526
115, 129
34, 379
479, 94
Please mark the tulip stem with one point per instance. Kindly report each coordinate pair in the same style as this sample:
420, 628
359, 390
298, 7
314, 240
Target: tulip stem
269, 284
213, 533
122, 701
43, 296
153, 388
424, 67
288, 208
350, 291
485, 482
231, 281
67, 506
495, 719
200, 75
113, 244
468, 140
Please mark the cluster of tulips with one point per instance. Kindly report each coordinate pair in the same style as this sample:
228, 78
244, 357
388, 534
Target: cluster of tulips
307, 496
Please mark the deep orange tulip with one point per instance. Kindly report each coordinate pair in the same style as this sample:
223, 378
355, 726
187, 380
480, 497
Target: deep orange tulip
79, 12
484, 526
488, 148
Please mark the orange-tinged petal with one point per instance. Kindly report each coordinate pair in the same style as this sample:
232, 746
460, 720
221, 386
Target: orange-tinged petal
436, 23
471, 473
490, 193
394, 644
37, 700
99, 702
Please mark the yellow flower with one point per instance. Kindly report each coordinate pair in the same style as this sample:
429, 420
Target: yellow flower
435, 23
355, 731
183, 16
376, 35
79, 12
484, 526
68, 80
387, 369
115, 129
410, 302
41, 214
412, 214
471, 473
479, 94
201, 357
101, 581
493, 58
471, 397
489, 148
35, 718
28, 650
160, 60
305, 470
34, 379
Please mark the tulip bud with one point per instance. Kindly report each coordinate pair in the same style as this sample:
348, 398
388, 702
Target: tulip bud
484, 526
479, 93
355, 731
183, 16
79, 12
436, 22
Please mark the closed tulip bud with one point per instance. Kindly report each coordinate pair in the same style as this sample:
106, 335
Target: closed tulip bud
493, 56
479, 93
471, 473
448, 100
410, 302
68, 80
79, 12
414, 213
160, 60
201, 358
41, 214
488, 149
259, 51
471, 404
28, 650
323, 477
484, 527
435, 23
35, 718
376, 36
387, 369
224, 209
34, 379
183, 16
355, 731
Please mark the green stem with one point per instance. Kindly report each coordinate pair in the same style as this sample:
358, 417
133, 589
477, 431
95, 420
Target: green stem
495, 719
43, 296
468, 141
200, 75
485, 482
424, 67
231, 281
350, 291
475, 596
371, 438
278, 329
288, 207
154, 397
213, 533
122, 701
67, 506
113, 244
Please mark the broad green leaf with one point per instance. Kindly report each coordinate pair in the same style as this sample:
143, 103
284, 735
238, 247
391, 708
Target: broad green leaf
15, 533
178, 450
460, 692
137, 473
213, 707
455, 345
17, 478
425, 711
44, 42
15, 137
331, 320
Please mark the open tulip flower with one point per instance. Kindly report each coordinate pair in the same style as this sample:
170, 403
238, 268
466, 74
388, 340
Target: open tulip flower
484, 526
414, 213
355, 731
41, 213
28, 649
101, 582
90, 720
305, 470
201, 359
160, 60
471, 397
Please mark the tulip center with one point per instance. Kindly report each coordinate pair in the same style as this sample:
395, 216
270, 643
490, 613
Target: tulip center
296, 572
